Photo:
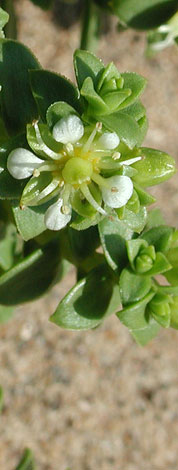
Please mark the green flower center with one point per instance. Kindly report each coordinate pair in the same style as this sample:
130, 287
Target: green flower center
77, 171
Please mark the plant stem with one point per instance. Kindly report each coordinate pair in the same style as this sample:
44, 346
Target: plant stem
90, 26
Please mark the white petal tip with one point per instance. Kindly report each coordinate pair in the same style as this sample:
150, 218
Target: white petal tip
21, 163
68, 130
120, 191
55, 217
109, 140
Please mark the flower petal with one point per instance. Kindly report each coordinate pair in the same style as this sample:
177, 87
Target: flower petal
68, 130
120, 191
109, 140
21, 163
54, 218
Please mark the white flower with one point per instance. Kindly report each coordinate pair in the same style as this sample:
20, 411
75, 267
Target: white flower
68, 130
119, 191
21, 163
55, 218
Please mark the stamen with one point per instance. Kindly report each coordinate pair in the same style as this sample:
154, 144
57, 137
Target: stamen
44, 147
116, 155
99, 126
88, 143
65, 210
65, 194
114, 190
98, 179
50, 166
70, 149
36, 173
130, 161
86, 192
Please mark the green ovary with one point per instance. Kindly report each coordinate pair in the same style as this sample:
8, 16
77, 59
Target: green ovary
77, 171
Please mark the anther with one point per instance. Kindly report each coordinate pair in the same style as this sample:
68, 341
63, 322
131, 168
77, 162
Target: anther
36, 173
65, 210
69, 148
116, 155
99, 126
114, 190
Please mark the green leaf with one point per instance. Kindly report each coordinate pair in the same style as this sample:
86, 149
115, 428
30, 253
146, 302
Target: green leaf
18, 104
57, 111
133, 287
30, 221
4, 18
45, 4
135, 222
7, 245
155, 218
172, 276
47, 138
5, 313
147, 14
125, 126
133, 316
86, 65
146, 334
160, 265
82, 223
27, 462
84, 307
159, 236
49, 87
133, 248
113, 234
135, 110
83, 243
35, 193
136, 83
31, 277
154, 168
174, 313
145, 198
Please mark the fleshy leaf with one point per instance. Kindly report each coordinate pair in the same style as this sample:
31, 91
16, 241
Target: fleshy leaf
133, 287
124, 125
136, 83
18, 104
57, 111
159, 236
133, 316
154, 168
30, 221
113, 233
45, 4
86, 65
49, 87
31, 277
4, 18
7, 245
84, 307
147, 14
143, 336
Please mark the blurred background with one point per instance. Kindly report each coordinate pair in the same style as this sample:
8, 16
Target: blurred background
93, 400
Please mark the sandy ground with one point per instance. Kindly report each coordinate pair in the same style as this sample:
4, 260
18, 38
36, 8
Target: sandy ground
93, 400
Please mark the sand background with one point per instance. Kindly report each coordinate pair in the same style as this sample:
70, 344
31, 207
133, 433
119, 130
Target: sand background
93, 400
